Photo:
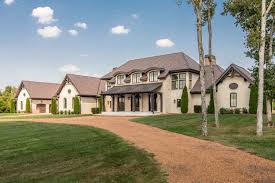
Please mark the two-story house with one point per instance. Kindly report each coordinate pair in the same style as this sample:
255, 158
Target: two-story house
155, 84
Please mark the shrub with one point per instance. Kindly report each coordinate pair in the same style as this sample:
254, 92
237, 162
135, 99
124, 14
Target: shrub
12, 106
76, 104
237, 111
61, 112
65, 112
226, 111
244, 110
197, 109
69, 112
184, 101
53, 106
211, 107
95, 110
28, 106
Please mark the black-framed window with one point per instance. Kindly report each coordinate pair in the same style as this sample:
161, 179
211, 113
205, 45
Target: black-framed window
136, 77
65, 103
153, 76
178, 81
190, 80
21, 105
233, 99
120, 79
178, 103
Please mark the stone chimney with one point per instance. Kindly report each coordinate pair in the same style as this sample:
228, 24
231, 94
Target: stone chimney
207, 60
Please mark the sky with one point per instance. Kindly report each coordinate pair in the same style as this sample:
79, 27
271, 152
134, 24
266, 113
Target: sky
42, 40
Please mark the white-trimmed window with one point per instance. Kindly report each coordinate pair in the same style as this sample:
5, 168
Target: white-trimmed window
178, 81
190, 80
21, 105
65, 103
153, 76
233, 99
120, 79
136, 77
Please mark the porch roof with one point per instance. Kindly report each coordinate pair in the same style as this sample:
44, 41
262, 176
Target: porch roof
130, 89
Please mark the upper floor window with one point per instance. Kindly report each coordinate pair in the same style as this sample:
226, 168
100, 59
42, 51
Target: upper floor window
190, 80
233, 99
153, 76
178, 81
136, 77
108, 86
120, 79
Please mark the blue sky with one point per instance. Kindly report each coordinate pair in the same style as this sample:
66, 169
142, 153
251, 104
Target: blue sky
35, 43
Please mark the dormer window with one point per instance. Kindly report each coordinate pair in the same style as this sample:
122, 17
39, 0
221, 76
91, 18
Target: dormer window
136, 77
108, 85
120, 79
153, 76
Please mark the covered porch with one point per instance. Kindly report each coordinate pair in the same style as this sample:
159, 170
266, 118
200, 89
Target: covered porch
142, 98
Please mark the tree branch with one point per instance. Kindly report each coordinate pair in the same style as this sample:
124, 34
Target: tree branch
269, 7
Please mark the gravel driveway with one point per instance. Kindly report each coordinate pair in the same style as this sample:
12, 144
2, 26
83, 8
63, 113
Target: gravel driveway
185, 159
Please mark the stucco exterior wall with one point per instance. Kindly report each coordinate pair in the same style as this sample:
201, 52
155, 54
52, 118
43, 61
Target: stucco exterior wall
87, 103
69, 96
196, 100
243, 92
22, 98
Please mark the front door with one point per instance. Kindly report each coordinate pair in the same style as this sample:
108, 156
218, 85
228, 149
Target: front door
41, 108
121, 103
154, 102
135, 103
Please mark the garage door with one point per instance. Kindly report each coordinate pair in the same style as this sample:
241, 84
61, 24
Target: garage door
41, 108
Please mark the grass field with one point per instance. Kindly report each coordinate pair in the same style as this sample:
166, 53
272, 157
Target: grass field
39, 116
41, 152
236, 130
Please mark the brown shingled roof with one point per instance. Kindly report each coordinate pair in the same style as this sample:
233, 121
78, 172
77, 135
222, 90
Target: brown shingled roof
208, 78
85, 85
39, 90
166, 63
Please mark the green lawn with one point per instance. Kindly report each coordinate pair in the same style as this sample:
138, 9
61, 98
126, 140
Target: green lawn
236, 130
39, 116
41, 152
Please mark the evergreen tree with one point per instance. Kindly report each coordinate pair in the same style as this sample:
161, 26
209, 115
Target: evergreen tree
211, 107
12, 106
54, 106
100, 104
184, 101
77, 107
28, 106
253, 101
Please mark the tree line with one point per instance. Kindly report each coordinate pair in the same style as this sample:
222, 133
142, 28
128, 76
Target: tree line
7, 101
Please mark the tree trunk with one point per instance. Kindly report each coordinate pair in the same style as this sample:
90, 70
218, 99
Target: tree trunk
197, 7
259, 129
269, 112
209, 22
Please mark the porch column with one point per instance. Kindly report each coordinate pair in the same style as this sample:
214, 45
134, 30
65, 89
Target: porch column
103, 103
134, 102
152, 102
161, 102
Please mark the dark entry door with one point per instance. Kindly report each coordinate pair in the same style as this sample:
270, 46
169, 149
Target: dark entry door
121, 103
41, 108
135, 103
154, 102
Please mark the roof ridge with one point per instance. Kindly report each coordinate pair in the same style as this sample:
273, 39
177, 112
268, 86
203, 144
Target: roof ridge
154, 56
83, 76
41, 82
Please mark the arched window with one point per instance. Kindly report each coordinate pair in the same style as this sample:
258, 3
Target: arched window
65, 103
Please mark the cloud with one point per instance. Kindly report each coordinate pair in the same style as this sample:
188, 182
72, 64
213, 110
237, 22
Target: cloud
73, 32
83, 55
44, 15
69, 68
81, 25
120, 29
9, 2
49, 32
164, 43
135, 16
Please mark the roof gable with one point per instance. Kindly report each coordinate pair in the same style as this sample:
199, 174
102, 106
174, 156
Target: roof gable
38, 90
85, 85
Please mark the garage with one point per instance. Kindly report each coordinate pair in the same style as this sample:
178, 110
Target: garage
41, 108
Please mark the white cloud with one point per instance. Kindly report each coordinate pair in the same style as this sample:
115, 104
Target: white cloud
49, 32
81, 25
164, 43
135, 16
9, 2
69, 68
73, 32
44, 15
120, 29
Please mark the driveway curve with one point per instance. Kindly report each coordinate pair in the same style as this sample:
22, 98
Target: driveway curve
185, 159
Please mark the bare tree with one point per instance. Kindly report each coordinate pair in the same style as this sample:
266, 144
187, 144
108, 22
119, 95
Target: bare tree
264, 14
198, 9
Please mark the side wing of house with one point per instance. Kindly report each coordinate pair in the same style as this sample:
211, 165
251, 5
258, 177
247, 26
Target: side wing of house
65, 97
21, 100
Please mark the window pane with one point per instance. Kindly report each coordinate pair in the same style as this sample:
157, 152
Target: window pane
174, 77
181, 84
182, 75
233, 99
174, 85
179, 103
